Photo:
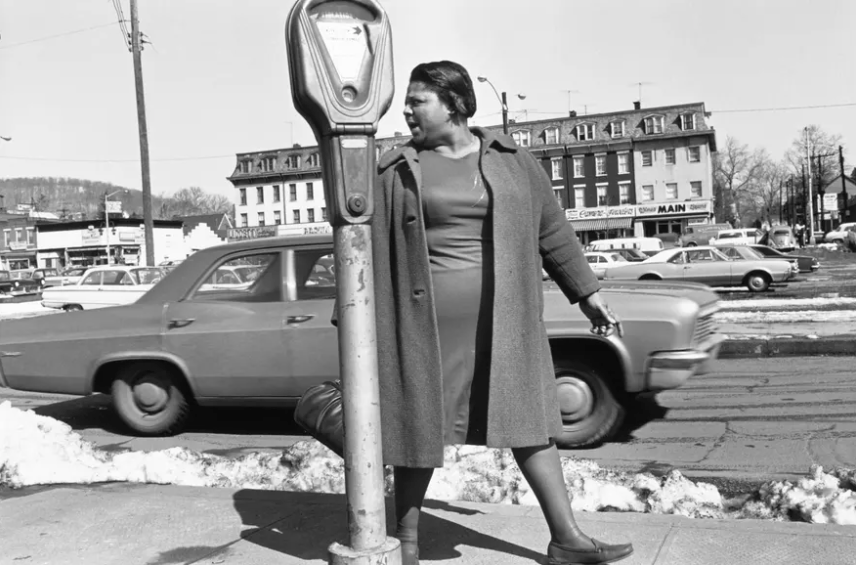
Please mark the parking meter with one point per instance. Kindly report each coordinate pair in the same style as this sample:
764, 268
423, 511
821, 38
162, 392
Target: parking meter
340, 63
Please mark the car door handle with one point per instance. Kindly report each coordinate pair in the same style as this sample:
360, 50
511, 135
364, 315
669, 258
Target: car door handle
180, 323
292, 320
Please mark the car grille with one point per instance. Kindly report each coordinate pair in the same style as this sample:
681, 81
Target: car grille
704, 329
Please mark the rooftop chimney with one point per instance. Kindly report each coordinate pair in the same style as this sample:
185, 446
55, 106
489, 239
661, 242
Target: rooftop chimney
572, 113
296, 145
637, 105
398, 134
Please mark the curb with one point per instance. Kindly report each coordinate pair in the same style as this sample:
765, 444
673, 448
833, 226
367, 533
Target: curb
783, 347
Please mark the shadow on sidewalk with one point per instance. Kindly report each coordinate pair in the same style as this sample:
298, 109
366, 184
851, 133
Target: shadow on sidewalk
304, 525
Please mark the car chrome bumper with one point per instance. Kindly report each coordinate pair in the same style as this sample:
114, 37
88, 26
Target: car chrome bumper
671, 369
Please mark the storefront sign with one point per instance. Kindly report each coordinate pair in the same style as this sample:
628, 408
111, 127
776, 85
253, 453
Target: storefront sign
678, 208
238, 234
598, 213
306, 229
136, 236
91, 237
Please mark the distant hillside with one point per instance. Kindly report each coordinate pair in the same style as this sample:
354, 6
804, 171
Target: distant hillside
84, 199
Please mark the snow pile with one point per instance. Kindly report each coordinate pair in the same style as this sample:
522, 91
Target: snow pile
749, 304
37, 450
792, 316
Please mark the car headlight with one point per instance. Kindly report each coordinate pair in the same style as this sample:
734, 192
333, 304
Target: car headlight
17, 284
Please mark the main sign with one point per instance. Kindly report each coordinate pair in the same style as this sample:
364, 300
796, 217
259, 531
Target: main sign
674, 209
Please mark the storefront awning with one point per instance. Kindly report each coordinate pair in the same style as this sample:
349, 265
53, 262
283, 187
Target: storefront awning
602, 224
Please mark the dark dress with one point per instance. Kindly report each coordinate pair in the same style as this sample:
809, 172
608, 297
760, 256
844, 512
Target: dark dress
457, 213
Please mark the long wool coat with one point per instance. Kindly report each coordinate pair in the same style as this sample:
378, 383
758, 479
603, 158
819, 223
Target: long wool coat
528, 225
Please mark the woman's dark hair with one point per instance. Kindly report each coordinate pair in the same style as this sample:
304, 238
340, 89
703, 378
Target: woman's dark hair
452, 84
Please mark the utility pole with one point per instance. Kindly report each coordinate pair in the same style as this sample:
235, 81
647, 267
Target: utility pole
148, 221
809, 204
844, 209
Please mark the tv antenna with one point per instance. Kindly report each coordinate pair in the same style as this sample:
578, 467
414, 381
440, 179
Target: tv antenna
640, 84
568, 92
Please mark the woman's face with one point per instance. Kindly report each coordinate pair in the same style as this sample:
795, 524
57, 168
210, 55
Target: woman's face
427, 117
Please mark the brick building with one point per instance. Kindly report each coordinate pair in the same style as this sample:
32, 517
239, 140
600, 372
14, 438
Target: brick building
635, 172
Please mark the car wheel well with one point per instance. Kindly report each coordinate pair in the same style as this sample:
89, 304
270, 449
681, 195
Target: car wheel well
109, 372
650, 278
596, 353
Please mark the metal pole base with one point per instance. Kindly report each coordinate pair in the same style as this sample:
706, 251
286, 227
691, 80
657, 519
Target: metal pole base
387, 554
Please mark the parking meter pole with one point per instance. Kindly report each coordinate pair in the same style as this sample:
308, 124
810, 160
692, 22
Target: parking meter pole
340, 64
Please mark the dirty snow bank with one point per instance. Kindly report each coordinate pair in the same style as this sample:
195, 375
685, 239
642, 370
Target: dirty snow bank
37, 450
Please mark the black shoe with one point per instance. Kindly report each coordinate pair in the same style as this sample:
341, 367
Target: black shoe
558, 554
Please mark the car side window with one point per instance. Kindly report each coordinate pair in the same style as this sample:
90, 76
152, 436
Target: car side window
678, 259
92, 279
315, 273
731, 252
252, 277
592, 258
113, 277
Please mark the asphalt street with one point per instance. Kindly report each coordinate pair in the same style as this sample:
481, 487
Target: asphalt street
749, 421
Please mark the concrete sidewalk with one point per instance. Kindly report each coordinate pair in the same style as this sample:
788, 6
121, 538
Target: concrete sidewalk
158, 525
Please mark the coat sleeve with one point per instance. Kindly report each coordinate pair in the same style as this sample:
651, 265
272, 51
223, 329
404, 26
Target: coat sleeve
561, 251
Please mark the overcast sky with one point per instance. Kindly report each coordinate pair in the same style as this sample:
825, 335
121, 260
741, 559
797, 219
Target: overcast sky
216, 80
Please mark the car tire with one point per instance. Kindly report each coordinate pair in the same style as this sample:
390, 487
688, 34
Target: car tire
591, 411
650, 278
758, 282
72, 307
149, 398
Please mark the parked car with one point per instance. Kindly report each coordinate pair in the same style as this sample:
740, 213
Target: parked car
839, 234
746, 253
779, 237
851, 238
15, 286
805, 263
670, 239
182, 344
741, 236
46, 276
631, 254
103, 286
705, 265
71, 275
701, 234
647, 245
599, 261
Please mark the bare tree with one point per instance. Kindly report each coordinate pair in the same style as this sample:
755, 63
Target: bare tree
191, 201
770, 188
736, 173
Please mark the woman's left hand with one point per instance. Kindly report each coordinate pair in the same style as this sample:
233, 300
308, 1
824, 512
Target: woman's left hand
603, 321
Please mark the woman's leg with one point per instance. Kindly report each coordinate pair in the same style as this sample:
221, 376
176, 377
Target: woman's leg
411, 484
543, 471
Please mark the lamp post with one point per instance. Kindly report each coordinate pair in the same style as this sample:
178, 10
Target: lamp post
503, 101
107, 222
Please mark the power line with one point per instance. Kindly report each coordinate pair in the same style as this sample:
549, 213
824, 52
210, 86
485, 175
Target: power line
54, 36
13, 158
126, 37
784, 108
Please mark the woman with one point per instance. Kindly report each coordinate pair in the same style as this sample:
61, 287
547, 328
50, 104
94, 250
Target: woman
463, 220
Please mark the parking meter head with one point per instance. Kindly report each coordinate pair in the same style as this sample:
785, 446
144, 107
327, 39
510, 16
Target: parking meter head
340, 64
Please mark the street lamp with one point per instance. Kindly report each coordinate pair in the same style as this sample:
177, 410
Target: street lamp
503, 102
107, 221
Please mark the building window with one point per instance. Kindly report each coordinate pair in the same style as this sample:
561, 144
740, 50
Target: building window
557, 192
243, 197
292, 192
585, 132
260, 195
31, 236
261, 218
647, 158
617, 129
624, 192
579, 198
6, 234
694, 154
276, 193
244, 221
277, 217
624, 163
323, 214
579, 167
246, 166
654, 124
522, 138
310, 191
556, 167
551, 136
695, 188
688, 121
295, 215
670, 156
601, 195
267, 164
648, 192
600, 165
310, 215
293, 162
314, 160
671, 191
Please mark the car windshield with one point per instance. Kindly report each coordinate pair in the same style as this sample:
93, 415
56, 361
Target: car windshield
147, 276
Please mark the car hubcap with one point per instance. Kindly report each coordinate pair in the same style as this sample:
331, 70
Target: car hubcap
149, 396
576, 400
